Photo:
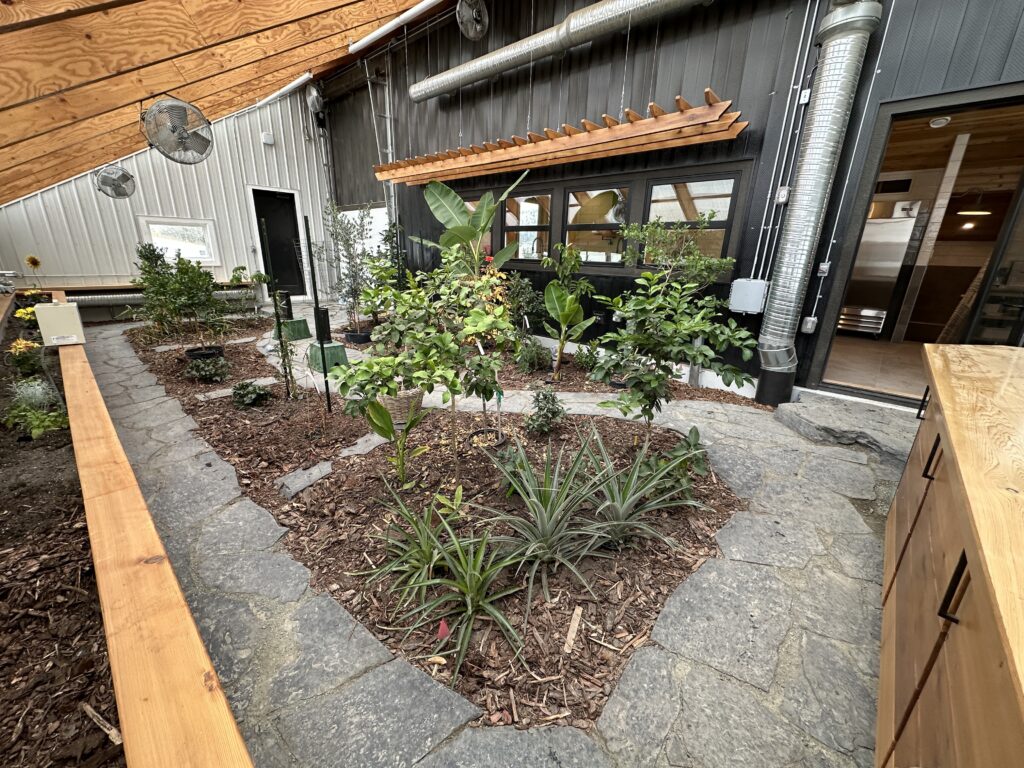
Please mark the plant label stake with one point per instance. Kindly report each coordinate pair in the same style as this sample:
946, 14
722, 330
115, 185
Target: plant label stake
316, 314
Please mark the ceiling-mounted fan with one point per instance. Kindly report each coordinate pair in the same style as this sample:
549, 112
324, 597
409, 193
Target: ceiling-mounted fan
114, 181
471, 16
178, 130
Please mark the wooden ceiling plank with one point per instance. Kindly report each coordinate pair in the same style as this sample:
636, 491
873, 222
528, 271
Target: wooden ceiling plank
225, 19
18, 14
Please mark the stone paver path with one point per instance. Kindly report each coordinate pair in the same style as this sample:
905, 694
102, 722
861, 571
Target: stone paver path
764, 658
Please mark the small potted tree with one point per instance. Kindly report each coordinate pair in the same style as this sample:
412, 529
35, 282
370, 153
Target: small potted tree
347, 252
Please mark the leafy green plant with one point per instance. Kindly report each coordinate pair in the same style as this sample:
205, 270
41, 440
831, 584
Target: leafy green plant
249, 394
586, 357
565, 309
178, 297
522, 300
695, 462
567, 264
675, 249
34, 422
629, 497
466, 228
471, 589
413, 556
26, 356
532, 355
210, 370
553, 531
378, 297
35, 393
646, 382
346, 252
548, 412
381, 422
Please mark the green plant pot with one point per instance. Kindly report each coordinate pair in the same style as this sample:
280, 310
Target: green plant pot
334, 352
294, 330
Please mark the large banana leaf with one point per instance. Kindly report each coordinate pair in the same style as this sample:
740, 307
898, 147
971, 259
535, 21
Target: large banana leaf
446, 205
460, 234
484, 213
562, 305
505, 254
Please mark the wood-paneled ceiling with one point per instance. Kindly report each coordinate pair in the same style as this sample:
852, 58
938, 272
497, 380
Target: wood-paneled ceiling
75, 74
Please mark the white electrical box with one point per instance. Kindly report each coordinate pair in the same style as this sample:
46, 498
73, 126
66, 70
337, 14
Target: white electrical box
59, 324
748, 296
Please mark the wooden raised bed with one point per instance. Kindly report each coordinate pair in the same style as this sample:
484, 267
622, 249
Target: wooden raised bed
171, 707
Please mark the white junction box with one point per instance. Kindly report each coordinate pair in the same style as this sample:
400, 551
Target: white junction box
59, 324
747, 296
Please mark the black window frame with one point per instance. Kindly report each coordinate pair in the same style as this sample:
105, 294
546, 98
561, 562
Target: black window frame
629, 184
504, 228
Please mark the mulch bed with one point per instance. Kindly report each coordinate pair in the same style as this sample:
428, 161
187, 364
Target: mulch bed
143, 336
53, 655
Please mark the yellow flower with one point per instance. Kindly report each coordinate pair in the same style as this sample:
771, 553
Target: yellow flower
28, 313
33, 262
31, 294
22, 347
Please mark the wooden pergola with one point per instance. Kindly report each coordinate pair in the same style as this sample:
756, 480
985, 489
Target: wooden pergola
76, 74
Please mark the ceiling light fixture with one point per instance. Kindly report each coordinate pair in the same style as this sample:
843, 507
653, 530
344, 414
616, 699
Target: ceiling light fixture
974, 208
940, 122
967, 225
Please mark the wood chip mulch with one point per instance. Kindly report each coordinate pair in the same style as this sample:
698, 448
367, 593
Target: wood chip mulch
53, 655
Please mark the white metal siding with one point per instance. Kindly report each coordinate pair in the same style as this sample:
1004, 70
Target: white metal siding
84, 238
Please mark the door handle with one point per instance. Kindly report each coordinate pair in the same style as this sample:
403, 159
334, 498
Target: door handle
923, 406
954, 583
926, 472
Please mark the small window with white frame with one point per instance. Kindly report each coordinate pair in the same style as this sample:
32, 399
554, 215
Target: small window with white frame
192, 238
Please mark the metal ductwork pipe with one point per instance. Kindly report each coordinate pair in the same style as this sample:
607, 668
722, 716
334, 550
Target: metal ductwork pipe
579, 27
843, 37
133, 298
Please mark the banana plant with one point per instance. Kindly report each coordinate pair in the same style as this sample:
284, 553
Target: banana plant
381, 422
466, 227
566, 310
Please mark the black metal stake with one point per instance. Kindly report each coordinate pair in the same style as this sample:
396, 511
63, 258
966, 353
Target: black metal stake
272, 283
316, 312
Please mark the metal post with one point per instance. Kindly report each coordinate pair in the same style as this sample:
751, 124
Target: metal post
264, 241
316, 312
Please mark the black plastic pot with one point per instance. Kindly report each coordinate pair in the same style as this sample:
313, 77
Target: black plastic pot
204, 353
500, 438
357, 338
617, 384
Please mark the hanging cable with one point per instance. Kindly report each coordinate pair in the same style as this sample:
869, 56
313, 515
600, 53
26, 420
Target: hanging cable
529, 105
654, 60
625, 62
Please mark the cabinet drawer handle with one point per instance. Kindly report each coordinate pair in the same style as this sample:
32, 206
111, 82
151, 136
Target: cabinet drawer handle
924, 403
954, 583
926, 473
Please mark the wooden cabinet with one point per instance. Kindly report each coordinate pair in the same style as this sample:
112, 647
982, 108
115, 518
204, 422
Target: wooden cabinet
950, 693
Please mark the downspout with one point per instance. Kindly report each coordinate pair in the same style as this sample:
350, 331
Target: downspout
843, 37
582, 26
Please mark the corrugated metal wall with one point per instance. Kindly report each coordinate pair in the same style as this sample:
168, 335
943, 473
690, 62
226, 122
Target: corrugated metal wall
87, 239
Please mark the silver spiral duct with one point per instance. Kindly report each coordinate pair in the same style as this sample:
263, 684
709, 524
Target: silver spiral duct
579, 27
843, 38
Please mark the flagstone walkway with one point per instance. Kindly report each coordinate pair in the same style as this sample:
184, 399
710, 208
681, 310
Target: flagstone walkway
764, 658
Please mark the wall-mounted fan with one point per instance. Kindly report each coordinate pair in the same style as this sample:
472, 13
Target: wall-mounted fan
471, 16
178, 130
314, 99
114, 181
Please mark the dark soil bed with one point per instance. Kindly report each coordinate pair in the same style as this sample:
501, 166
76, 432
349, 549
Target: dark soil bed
53, 655
335, 528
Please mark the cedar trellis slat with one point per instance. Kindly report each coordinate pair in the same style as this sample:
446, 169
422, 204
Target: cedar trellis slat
664, 129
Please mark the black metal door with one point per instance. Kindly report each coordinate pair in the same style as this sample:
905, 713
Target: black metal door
276, 218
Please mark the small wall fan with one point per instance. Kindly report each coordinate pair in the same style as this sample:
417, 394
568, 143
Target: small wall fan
178, 130
471, 16
114, 181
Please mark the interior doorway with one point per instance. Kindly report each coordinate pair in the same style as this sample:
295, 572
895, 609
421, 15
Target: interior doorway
277, 222
941, 257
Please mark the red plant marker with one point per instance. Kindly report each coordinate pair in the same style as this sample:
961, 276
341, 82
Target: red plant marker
442, 630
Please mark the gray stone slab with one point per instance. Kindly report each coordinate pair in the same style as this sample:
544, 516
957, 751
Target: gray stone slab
167, 347
231, 631
243, 340
786, 542
825, 509
888, 431
860, 556
390, 717
840, 607
241, 527
295, 482
219, 394
829, 699
363, 445
641, 709
508, 748
725, 724
331, 648
272, 575
266, 747
853, 480
730, 615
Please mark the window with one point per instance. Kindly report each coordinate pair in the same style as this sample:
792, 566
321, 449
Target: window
528, 222
684, 202
594, 218
193, 238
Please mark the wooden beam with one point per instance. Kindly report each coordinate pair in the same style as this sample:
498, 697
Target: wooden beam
609, 121
654, 110
589, 125
633, 117
17, 14
710, 97
257, 55
170, 704
682, 104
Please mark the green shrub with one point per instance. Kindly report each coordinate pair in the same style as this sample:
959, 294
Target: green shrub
586, 357
547, 412
26, 356
248, 394
695, 462
34, 422
381, 422
522, 300
211, 370
179, 296
532, 355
